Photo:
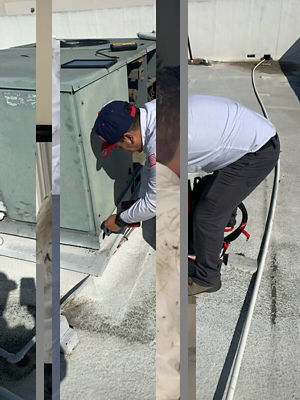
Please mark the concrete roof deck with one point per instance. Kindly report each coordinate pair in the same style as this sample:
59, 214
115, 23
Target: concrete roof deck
270, 367
114, 317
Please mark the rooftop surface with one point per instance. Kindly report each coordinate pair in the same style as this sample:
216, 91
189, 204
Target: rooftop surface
270, 368
114, 317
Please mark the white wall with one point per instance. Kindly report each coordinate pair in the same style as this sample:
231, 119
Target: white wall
116, 22
96, 23
228, 30
17, 30
19, 7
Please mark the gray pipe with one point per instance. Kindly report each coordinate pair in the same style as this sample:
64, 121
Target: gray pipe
15, 358
7, 395
263, 252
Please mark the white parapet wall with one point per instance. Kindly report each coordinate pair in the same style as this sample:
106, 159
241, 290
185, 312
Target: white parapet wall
104, 23
228, 30
89, 19
17, 30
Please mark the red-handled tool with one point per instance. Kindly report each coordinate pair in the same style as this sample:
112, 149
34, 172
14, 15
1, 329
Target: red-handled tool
130, 227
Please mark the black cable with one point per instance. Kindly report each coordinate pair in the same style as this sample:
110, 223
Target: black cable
190, 49
236, 233
82, 42
99, 52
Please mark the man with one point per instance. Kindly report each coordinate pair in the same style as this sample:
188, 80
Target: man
120, 124
241, 148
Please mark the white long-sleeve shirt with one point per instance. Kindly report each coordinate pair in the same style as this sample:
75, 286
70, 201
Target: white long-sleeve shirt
145, 207
222, 131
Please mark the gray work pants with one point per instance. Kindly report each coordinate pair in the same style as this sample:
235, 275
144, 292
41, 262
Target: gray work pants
221, 194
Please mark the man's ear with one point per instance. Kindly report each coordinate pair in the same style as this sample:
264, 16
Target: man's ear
129, 136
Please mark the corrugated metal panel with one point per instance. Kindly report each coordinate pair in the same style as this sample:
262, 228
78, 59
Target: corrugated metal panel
17, 68
91, 186
109, 178
76, 209
17, 153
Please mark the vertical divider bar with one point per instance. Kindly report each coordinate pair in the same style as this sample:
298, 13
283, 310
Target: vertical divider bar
44, 216
184, 345
44, 67
56, 220
40, 273
192, 347
171, 338
55, 297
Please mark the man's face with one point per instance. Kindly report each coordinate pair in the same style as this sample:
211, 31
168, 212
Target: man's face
132, 141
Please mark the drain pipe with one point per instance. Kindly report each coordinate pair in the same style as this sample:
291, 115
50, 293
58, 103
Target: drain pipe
7, 395
15, 358
260, 268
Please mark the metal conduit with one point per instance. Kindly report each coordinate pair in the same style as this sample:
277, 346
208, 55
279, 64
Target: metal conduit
7, 395
15, 358
260, 267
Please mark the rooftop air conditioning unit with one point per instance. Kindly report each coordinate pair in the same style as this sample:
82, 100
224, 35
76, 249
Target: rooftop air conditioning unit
90, 187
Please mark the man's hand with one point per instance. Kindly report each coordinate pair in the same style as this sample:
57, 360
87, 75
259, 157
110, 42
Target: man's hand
110, 223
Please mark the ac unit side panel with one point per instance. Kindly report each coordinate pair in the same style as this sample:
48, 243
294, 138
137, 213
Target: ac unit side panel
109, 178
75, 204
17, 154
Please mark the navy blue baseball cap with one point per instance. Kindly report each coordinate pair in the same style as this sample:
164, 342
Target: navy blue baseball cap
112, 122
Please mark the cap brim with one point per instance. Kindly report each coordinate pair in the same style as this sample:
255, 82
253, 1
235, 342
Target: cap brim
106, 149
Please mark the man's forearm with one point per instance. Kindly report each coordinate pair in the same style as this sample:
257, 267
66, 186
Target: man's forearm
142, 210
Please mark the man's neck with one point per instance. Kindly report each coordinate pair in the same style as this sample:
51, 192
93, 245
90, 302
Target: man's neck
174, 164
141, 138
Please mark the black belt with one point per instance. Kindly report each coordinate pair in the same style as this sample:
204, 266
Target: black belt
271, 142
